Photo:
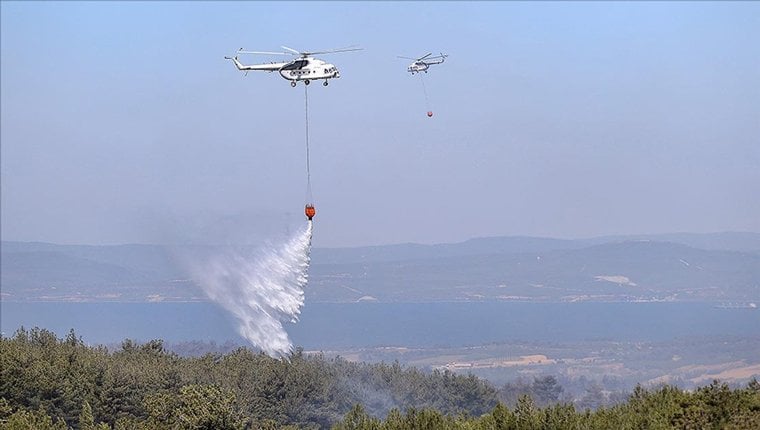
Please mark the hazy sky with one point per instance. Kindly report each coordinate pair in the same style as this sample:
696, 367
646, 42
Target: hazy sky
122, 122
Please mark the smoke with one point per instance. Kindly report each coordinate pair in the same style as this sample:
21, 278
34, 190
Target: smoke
261, 292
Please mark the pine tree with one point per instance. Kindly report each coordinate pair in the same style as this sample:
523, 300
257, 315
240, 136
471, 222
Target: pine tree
86, 420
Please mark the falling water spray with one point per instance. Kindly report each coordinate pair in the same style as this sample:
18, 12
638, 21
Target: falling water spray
263, 292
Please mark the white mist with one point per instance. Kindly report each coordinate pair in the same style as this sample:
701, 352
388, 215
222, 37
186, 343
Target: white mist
262, 292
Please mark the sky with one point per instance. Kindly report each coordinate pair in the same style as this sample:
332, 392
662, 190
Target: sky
123, 123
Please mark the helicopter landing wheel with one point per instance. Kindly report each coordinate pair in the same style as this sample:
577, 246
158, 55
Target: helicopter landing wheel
325, 83
307, 82
293, 84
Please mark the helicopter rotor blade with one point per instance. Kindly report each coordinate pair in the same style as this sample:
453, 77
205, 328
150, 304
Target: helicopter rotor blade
346, 49
242, 51
406, 58
422, 58
293, 51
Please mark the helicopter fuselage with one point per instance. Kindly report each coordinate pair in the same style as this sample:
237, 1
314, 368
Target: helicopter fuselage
418, 66
308, 68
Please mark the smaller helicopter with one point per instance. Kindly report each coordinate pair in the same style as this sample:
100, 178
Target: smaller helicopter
422, 64
305, 68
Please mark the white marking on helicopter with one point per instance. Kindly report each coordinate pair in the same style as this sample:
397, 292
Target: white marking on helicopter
305, 68
423, 63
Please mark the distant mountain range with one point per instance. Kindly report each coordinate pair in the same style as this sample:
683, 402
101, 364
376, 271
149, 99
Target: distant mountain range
720, 267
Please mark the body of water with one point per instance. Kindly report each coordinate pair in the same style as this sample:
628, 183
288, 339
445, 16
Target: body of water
348, 325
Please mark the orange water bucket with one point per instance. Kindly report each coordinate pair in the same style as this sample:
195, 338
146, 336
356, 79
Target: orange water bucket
310, 211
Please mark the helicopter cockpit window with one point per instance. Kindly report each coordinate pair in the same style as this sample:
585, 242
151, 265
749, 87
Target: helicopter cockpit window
297, 64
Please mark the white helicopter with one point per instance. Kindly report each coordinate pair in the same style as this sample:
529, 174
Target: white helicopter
305, 68
422, 64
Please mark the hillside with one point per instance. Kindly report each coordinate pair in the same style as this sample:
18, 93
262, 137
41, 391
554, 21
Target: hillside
717, 267
613, 271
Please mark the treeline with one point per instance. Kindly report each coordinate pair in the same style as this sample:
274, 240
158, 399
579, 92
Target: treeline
712, 407
52, 383
144, 386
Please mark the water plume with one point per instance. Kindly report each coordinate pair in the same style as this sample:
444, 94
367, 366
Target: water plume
261, 292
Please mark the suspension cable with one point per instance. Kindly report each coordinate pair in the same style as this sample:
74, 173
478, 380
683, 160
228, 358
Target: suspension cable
424, 90
308, 167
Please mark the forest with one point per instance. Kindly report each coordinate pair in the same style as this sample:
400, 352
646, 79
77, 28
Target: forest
47, 382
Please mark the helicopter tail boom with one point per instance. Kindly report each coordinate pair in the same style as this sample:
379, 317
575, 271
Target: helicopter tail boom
270, 67
237, 63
